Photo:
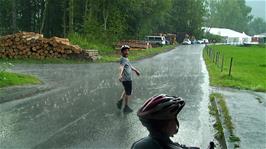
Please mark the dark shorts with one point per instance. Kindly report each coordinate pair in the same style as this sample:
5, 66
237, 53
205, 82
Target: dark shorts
127, 86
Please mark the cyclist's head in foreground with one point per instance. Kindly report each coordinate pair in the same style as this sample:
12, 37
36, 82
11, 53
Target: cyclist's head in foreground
159, 114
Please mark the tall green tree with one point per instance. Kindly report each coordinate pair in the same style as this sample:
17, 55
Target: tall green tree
5, 16
232, 14
187, 16
257, 26
101, 19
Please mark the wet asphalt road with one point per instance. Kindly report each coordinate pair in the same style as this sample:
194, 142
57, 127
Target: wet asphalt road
248, 112
75, 108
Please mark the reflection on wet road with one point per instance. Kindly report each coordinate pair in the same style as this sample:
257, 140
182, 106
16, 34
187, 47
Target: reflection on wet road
78, 108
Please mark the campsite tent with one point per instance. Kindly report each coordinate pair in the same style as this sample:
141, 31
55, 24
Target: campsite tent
261, 38
230, 36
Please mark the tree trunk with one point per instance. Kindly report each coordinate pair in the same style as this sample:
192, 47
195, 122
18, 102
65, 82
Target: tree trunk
85, 11
44, 15
64, 19
105, 16
71, 15
14, 16
105, 19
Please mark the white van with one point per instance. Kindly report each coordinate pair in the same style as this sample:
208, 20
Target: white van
156, 40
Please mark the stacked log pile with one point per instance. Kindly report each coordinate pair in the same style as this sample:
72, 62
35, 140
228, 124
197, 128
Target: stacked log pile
134, 44
34, 45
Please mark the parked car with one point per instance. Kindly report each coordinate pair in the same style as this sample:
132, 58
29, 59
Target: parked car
205, 41
156, 40
200, 41
194, 41
186, 42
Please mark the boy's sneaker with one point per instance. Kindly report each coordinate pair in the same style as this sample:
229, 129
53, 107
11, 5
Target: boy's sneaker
127, 109
119, 104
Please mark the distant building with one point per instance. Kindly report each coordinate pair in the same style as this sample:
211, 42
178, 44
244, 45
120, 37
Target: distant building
229, 36
261, 38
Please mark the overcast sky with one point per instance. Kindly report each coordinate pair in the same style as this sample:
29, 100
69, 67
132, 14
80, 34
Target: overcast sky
258, 8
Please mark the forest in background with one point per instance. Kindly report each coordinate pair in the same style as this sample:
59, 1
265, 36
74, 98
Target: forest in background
112, 20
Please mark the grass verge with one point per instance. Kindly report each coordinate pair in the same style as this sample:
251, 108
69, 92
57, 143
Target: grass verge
11, 79
218, 102
134, 54
218, 124
109, 53
248, 71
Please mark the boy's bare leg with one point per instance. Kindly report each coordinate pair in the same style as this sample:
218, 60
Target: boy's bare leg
127, 109
126, 99
123, 95
120, 101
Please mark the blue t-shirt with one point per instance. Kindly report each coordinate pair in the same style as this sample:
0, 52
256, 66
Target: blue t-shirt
127, 70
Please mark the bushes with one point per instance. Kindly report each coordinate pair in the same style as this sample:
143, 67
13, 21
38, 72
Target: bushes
88, 42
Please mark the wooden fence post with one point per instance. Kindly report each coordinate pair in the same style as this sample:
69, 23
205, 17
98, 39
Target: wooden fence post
230, 69
219, 59
216, 59
210, 50
222, 66
213, 58
210, 54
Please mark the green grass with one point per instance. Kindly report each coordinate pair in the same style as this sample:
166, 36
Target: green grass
109, 53
234, 138
11, 79
248, 71
88, 43
227, 118
134, 54
213, 110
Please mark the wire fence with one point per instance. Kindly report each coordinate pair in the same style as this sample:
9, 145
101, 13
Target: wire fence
217, 57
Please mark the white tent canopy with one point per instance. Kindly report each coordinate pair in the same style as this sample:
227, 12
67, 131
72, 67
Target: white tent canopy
231, 36
263, 35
